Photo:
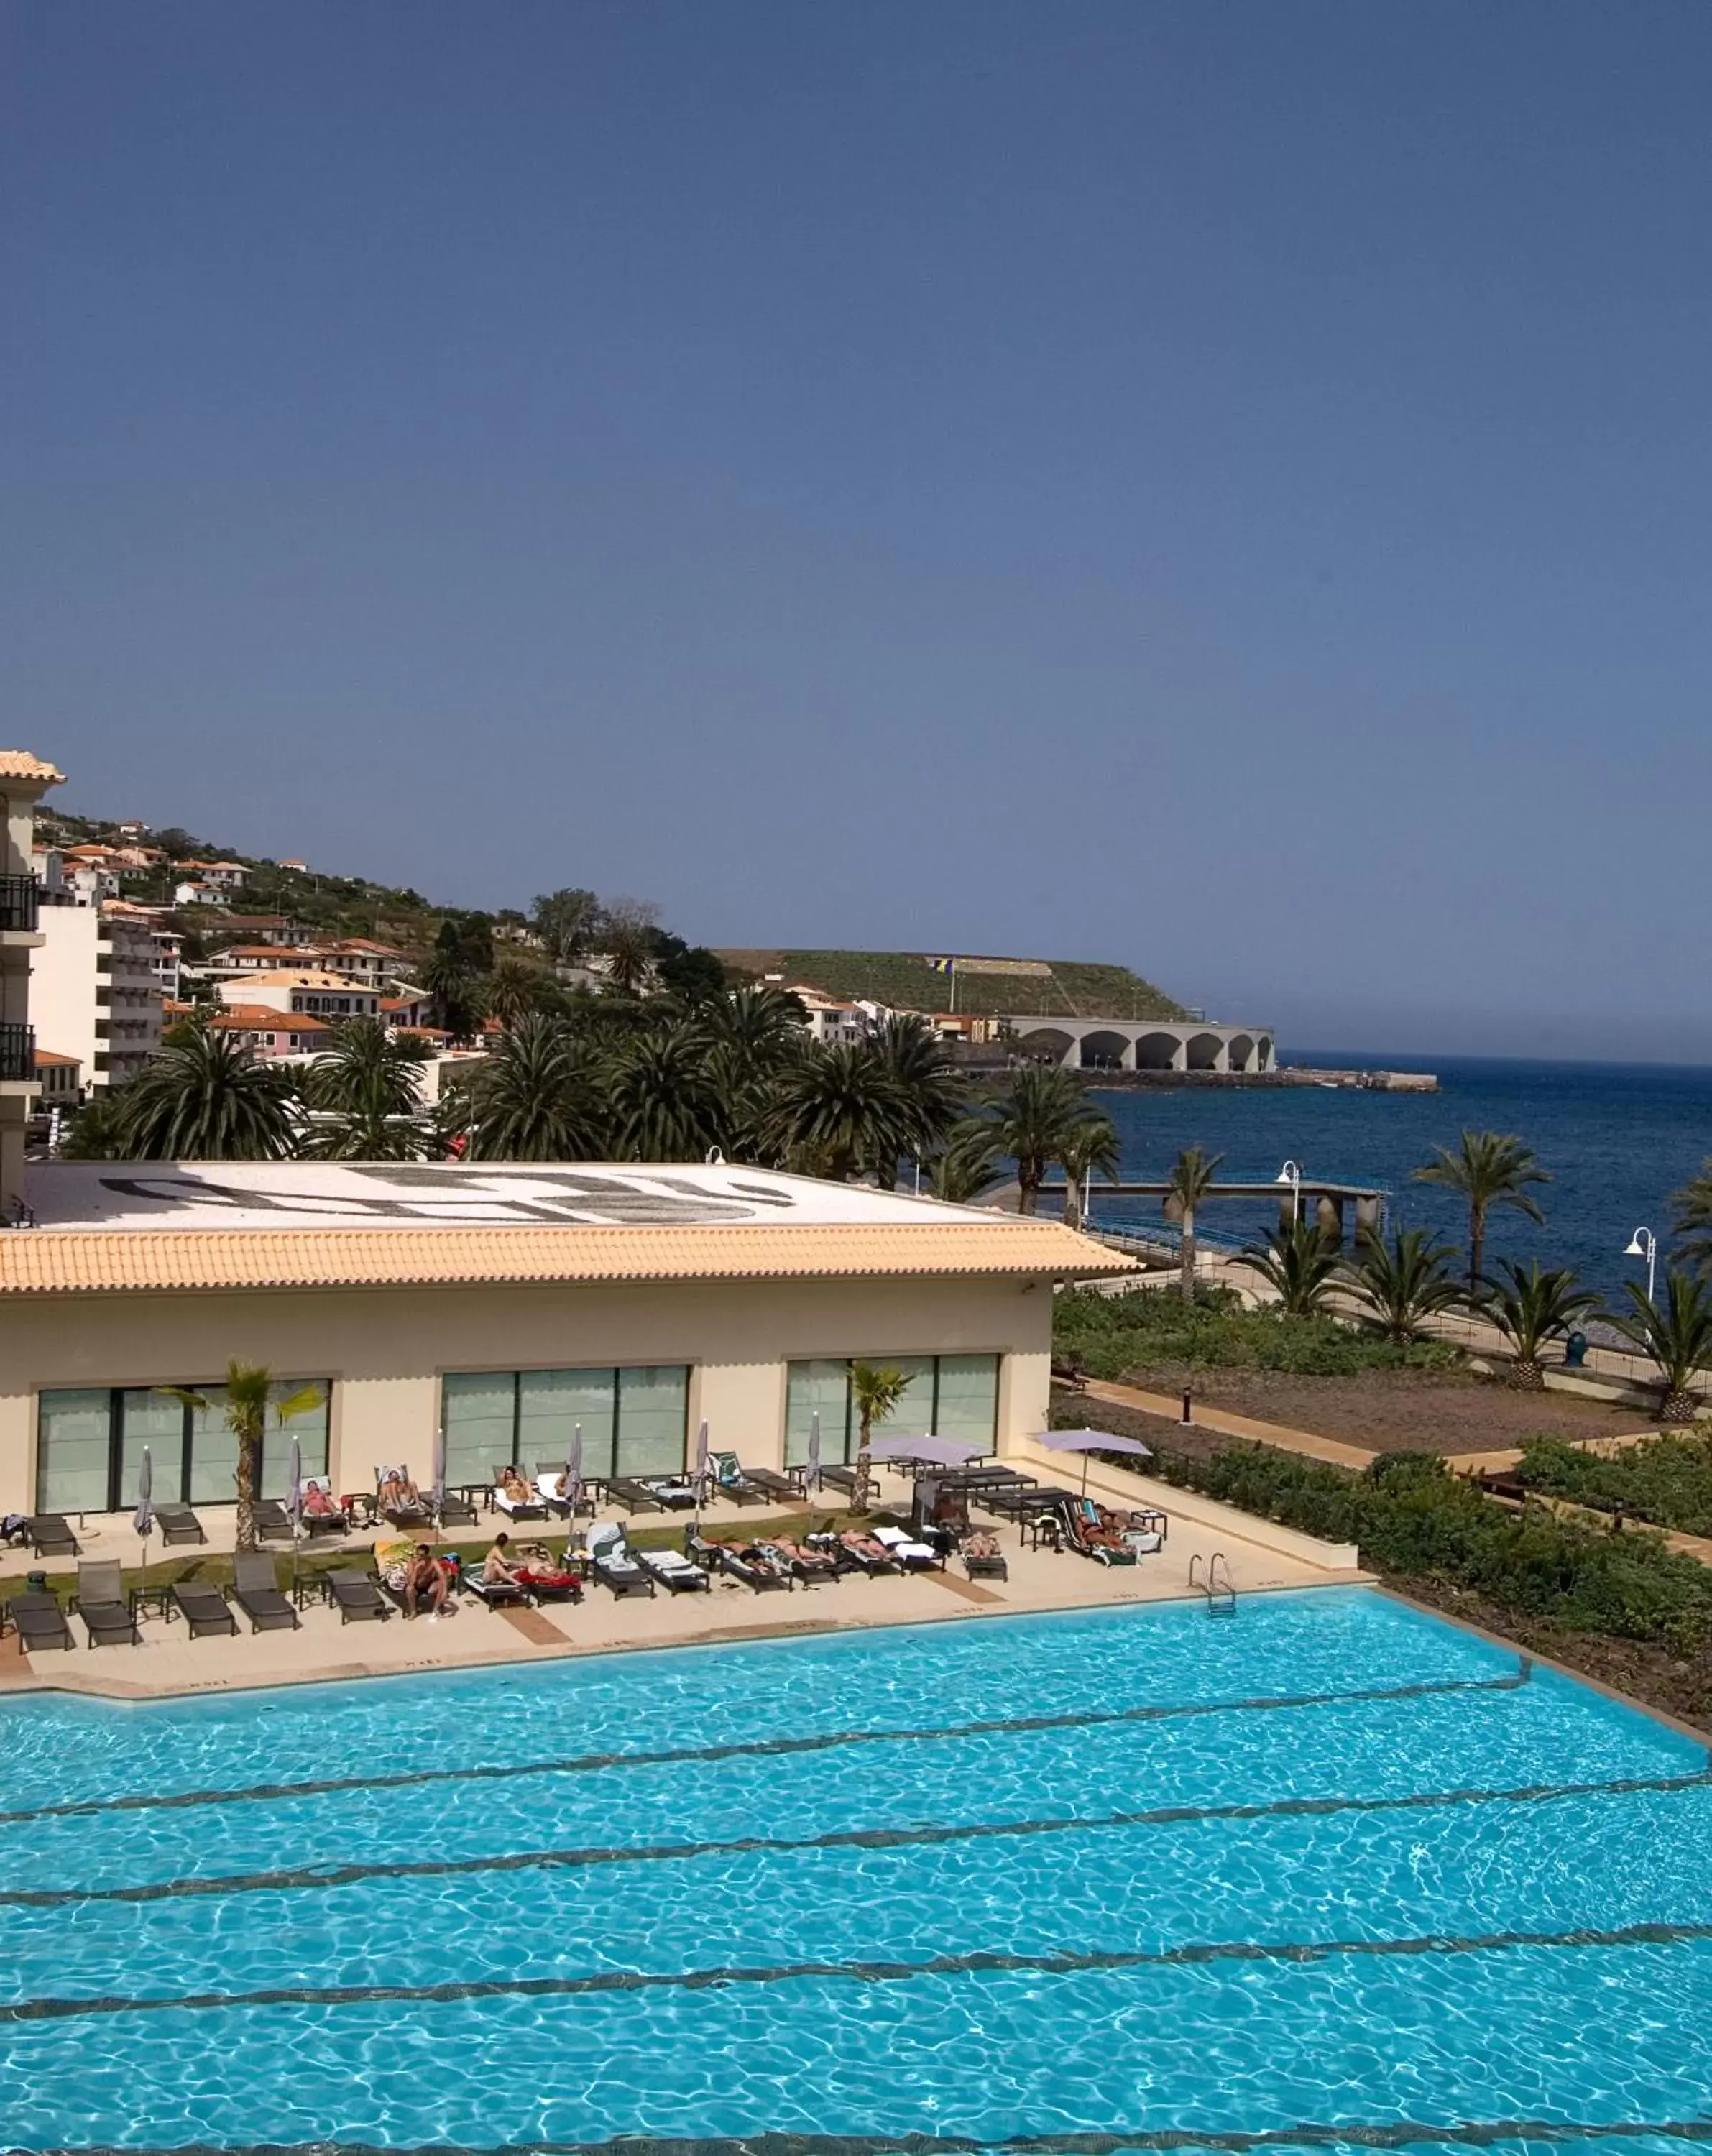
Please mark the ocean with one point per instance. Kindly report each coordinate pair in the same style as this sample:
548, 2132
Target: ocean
1617, 1139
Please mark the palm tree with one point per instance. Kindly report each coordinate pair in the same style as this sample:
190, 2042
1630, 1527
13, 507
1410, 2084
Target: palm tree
515, 987
630, 939
452, 985
536, 1098
249, 1390
661, 1101
366, 1090
1677, 1335
1090, 1148
1300, 1263
206, 1096
1192, 1176
874, 1393
1488, 1169
928, 1086
968, 1163
1694, 1221
838, 1107
1529, 1308
1040, 1112
1404, 1282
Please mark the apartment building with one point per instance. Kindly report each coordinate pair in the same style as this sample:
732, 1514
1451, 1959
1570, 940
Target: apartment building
94, 992
300, 992
24, 780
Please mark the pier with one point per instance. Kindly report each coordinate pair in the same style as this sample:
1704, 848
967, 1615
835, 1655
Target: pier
1328, 1201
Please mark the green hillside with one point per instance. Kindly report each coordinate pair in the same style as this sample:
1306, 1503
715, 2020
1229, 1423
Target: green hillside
1051, 987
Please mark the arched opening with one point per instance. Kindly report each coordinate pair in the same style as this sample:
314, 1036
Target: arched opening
1265, 1062
1156, 1051
1203, 1051
1044, 1044
1102, 1051
1241, 1052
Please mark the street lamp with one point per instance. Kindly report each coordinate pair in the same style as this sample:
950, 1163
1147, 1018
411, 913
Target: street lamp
1644, 1244
1292, 1174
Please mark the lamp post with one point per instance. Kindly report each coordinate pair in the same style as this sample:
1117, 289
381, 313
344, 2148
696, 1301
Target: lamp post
1291, 1173
1644, 1244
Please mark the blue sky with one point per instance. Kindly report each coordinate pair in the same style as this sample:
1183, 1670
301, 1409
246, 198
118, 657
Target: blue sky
1221, 488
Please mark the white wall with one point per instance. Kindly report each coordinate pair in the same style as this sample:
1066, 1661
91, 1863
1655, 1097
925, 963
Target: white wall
62, 986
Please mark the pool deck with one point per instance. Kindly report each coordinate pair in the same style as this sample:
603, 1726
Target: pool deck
1260, 1557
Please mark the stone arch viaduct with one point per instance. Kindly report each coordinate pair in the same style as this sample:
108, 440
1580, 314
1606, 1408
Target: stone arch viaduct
1122, 1043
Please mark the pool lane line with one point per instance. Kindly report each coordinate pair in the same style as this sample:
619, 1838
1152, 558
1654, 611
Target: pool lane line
763, 1748
978, 1963
298, 1878
1383, 2133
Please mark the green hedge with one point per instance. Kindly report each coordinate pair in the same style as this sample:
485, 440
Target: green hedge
1110, 1334
1413, 1519
1667, 1479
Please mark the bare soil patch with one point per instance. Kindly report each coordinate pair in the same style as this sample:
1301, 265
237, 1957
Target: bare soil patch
1401, 1411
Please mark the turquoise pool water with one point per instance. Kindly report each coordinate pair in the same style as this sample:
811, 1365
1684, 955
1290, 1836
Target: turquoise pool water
1332, 1872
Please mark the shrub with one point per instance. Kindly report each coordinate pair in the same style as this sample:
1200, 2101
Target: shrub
1110, 1335
1667, 1479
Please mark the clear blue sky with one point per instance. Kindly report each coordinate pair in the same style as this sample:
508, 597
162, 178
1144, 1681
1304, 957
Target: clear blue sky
1221, 488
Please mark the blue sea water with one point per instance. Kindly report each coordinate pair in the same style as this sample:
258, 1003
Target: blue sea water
1618, 1140
1333, 1871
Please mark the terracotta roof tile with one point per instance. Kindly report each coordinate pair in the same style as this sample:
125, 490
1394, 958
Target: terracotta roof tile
19, 763
48, 1261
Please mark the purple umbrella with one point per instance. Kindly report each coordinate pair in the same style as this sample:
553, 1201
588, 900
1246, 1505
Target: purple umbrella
927, 1451
1086, 1441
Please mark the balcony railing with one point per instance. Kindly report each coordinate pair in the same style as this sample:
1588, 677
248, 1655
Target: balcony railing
17, 1051
19, 896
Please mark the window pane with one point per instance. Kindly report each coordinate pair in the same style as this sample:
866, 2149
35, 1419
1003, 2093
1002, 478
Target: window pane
478, 1407
214, 1451
914, 1412
552, 1402
310, 1429
969, 1398
157, 1420
75, 1431
653, 1419
821, 1388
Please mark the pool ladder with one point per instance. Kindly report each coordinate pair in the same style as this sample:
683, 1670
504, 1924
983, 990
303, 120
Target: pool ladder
1216, 1584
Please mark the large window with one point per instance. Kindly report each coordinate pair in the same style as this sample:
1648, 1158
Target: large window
90, 1444
952, 1395
633, 1421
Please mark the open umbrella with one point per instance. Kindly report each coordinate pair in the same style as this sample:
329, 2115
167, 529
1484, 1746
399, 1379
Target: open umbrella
1086, 1441
143, 1518
926, 1451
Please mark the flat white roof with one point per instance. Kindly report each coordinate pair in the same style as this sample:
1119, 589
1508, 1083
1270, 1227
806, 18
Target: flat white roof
190, 1194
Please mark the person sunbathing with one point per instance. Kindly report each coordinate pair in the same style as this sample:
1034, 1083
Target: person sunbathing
980, 1544
515, 1488
318, 1505
796, 1552
864, 1545
427, 1576
398, 1493
497, 1567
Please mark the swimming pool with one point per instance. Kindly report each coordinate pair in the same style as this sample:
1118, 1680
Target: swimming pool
1330, 1873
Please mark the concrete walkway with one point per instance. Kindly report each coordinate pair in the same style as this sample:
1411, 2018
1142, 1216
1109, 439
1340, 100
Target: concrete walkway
1331, 1449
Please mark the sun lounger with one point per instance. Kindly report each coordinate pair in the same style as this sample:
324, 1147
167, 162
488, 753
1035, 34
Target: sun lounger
105, 1607
854, 1557
1088, 1538
772, 1485
905, 1550
357, 1594
40, 1622
677, 1493
839, 1478
178, 1524
256, 1591
50, 1536
414, 1515
496, 1594
722, 1556
273, 1523
611, 1562
515, 1508
204, 1608
674, 1571
455, 1509
634, 1497
336, 1521
986, 1563
812, 1571
729, 1480
549, 1487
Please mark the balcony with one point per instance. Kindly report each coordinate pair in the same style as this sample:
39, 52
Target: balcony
19, 896
18, 1047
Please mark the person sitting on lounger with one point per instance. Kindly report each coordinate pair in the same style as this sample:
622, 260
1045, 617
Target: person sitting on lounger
427, 1577
517, 1490
398, 1493
317, 1505
497, 1569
